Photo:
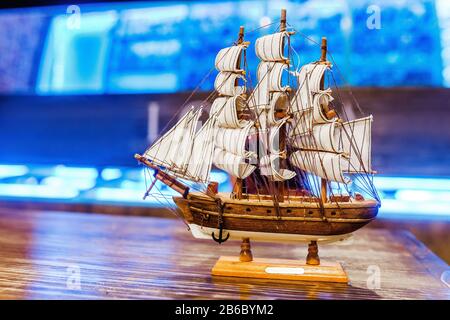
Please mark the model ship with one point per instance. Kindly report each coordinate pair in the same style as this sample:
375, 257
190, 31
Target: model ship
291, 156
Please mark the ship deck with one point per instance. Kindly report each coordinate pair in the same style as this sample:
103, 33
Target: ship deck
291, 201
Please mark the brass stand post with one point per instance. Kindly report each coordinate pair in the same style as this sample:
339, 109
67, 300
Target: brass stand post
246, 252
313, 254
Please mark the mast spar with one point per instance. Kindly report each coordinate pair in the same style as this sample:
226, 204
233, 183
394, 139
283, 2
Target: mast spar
323, 59
239, 183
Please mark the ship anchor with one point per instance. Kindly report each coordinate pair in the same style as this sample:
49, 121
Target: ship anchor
220, 239
220, 222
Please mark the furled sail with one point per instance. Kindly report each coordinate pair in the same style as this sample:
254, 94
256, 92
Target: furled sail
269, 97
227, 109
228, 59
225, 84
231, 132
271, 47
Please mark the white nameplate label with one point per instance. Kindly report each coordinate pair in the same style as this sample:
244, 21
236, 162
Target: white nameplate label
285, 270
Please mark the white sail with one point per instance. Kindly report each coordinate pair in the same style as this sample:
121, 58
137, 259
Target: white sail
234, 140
260, 97
231, 133
307, 102
199, 165
228, 59
355, 142
278, 102
269, 81
271, 47
328, 148
321, 100
330, 166
270, 166
273, 144
301, 124
273, 71
226, 110
309, 79
232, 163
182, 153
324, 137
163, 152
225, 84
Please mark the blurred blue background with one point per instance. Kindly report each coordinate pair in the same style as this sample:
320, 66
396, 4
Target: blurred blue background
82, 88
155, 47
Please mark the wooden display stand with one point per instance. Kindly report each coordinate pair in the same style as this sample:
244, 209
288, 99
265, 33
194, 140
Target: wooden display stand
245, 266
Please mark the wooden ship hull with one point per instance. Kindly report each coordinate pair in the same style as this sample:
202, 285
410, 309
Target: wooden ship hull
294, 219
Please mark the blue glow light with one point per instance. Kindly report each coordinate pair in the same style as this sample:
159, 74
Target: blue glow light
111, 174
162, 48
155, 46
75, 183
219, 176
37, 191
75, 172
159, 82
423, 196
401, 197
409, 209
12, 170
117, 195
411, 183
135, 185
74, 57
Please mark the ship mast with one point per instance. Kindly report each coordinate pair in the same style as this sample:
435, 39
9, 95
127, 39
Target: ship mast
282, 133
323, 59
283, 20
239, 183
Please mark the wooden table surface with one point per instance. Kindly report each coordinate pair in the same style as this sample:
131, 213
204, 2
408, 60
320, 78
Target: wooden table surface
53, 255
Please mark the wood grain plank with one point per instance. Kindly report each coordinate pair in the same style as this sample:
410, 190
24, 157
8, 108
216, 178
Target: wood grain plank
157, 258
